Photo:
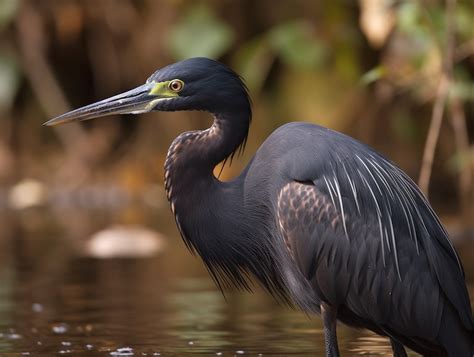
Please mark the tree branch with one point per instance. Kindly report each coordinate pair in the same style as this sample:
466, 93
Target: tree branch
440, 101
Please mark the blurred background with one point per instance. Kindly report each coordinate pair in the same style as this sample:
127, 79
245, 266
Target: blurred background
397, 75
374, 69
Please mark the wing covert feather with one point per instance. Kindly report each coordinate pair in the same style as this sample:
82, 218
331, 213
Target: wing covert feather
348, 265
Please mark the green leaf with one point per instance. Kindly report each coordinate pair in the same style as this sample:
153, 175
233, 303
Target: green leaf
408, 16
296, 44
253, 61
9, 81
411, 22
461, 160
464, 21
199, 33
373, 75
463, 90
8, 9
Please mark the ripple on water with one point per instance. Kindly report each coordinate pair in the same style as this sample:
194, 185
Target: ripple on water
60, 328
123, 351
61, 303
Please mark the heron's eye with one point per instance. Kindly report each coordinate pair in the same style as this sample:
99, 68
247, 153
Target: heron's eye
176, 85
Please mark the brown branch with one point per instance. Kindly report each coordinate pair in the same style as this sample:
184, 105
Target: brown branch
458, 121
82, 149
433, 134
440, 101
39, 73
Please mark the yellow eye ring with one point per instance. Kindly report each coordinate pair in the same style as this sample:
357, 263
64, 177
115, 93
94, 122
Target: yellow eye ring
176, 85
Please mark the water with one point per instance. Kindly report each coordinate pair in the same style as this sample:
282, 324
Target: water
56, 301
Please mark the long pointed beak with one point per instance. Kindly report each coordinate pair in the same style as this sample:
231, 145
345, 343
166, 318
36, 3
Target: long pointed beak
135, 101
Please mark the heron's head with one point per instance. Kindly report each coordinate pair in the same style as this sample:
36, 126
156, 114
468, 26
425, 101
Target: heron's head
193, 84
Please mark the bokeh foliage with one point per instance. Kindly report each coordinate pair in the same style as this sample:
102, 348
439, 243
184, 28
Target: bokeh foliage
369, 68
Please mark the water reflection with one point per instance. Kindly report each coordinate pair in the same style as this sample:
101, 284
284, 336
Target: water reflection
56, 301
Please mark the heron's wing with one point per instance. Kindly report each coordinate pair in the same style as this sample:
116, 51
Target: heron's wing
348, 266
338, 253
381, 192
311, 226
365, 233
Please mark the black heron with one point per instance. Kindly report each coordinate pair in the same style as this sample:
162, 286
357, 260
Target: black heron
322, 221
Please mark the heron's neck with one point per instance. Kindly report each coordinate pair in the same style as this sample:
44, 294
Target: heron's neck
193, 155
195, 195
212, 216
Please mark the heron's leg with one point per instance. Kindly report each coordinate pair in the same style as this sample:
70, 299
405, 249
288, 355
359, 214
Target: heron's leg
398, 349
329, 315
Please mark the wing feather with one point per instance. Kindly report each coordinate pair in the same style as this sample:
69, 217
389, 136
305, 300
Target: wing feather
371, 224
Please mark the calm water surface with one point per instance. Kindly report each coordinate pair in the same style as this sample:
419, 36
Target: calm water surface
54, 300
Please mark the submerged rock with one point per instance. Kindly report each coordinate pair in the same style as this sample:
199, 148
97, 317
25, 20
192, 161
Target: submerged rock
27, 193
124, 241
